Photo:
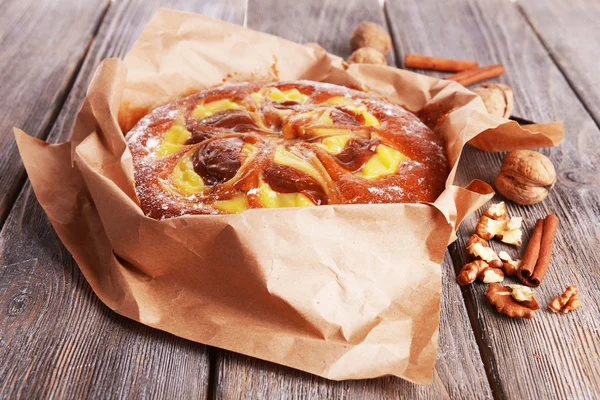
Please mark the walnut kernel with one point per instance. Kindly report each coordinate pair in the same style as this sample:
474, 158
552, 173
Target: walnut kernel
502, 298
568, 301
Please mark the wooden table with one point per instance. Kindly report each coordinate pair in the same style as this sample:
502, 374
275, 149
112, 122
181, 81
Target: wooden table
57, 339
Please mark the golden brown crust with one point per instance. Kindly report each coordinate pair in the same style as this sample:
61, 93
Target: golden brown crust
282, 144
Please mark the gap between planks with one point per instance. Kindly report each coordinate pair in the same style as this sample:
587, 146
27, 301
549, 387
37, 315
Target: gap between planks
22, 178
485, 353
558, 65
213, 353
212, 389
128, 15
301, 382
470, 306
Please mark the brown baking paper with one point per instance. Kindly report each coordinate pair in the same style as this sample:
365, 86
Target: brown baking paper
344, 292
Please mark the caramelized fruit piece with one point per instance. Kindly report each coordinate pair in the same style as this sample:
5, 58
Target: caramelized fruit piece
296, 126
344, 117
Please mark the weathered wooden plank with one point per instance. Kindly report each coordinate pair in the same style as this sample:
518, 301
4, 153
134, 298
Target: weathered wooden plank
327, 22
41, 54
56, 338
552, 356
569, 30
330, 25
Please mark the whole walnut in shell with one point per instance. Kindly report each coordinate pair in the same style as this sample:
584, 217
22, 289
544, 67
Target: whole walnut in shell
526, 177
370, 34
498, 98
366, 55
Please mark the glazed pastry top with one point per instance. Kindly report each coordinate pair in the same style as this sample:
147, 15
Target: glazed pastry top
282, 144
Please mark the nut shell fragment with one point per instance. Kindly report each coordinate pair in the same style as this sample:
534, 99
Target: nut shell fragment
485, 253
476, 239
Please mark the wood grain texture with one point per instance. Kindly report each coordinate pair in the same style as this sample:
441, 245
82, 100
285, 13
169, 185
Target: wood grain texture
43, 44
552, 356
458, 358
326, 22
56, 338
569, 30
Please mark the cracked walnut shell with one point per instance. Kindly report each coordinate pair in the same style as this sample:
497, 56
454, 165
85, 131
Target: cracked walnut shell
526, 177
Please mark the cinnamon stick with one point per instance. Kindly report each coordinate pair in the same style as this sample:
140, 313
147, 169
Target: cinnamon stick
539, 251
548, 234
437, 64
532, 252
472, 76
